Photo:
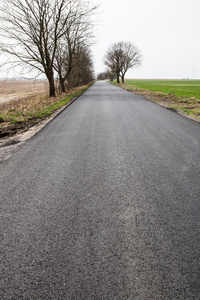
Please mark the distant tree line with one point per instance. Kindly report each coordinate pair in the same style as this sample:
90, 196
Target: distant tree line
50, 36
105, 76
121, 57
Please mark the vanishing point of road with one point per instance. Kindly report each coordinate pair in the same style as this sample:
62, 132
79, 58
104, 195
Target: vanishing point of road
103, 203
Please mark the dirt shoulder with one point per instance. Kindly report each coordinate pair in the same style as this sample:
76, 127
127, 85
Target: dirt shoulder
10, 143
188, 107
20, 115
14, 134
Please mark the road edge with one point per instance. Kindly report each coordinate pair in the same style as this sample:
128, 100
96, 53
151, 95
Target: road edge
9, 145
179, 112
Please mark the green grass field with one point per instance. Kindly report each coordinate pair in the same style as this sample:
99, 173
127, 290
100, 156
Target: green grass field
180, 95
180, 88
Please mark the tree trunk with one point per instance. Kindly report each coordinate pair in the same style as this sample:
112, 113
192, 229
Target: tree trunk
122, 79
52, 91
62, 85
118, 78
61, 82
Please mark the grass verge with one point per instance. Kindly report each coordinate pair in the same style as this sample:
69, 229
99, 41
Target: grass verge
20, 115
182, 96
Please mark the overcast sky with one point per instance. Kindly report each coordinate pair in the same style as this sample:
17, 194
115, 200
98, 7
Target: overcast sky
167, 33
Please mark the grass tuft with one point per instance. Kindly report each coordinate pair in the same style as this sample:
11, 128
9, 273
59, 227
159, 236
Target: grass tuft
181, 95
26, 112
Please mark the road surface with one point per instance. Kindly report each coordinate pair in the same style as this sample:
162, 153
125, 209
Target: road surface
103, 203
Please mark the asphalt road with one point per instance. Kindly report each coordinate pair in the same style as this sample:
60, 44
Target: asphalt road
103, 203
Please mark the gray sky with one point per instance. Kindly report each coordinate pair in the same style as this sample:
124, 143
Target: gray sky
167, 33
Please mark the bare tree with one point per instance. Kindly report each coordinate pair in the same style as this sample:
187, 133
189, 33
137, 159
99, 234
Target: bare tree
33, 30
130, 59
113, 59
122, 56
82, 72
78, 35
105, 75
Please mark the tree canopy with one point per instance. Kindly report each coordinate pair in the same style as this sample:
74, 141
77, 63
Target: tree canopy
121, 57
45, 34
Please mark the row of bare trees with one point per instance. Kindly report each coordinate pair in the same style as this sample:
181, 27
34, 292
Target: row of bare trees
121, 57
105, 75
50, 36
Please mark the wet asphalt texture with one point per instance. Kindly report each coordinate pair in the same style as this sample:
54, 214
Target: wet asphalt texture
103, 203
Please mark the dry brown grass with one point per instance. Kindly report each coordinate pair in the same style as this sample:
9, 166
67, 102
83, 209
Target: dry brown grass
189, 107
32, 101
23, 112
18, 89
